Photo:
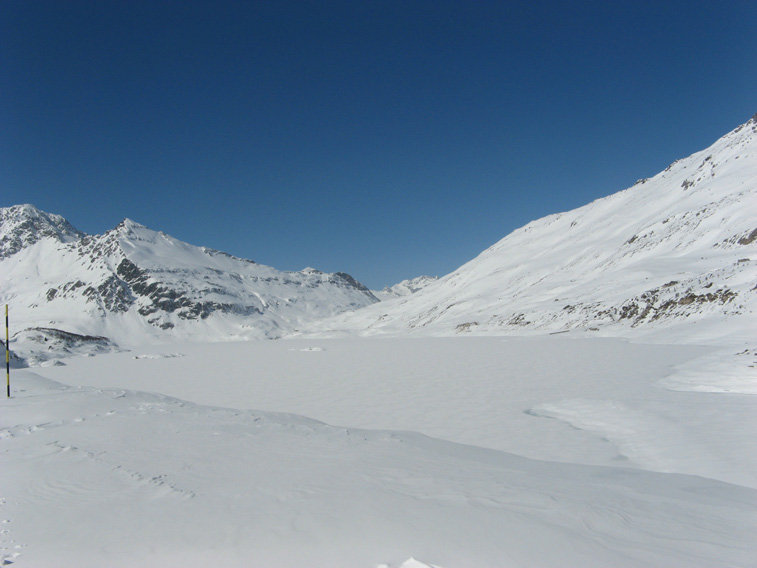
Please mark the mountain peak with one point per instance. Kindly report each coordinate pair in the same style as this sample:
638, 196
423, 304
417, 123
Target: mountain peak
405, 288
23, 225
128, 225
26, 209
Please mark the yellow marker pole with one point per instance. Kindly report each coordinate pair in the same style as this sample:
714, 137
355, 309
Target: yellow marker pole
7, 354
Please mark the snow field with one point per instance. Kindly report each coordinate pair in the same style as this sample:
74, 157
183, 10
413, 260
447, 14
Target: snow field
496, 393
115, 477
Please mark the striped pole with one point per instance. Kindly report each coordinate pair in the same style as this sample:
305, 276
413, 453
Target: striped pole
7, 354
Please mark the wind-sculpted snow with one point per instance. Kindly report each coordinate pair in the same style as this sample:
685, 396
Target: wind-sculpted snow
115, 477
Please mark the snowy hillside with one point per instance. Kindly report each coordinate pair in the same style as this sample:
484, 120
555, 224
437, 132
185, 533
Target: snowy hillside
133, 284
678, 248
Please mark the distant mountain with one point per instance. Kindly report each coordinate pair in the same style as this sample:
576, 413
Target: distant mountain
677, 248
133, 284
404, 288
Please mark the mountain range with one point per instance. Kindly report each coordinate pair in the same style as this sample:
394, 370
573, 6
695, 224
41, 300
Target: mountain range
131, 285
677, 248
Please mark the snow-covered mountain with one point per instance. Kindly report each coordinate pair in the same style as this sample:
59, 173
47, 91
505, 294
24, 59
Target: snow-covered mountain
678, 247
404, 288
133, 284
673, 249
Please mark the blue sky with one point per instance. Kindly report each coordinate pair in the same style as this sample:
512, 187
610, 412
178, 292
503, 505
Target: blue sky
385, 139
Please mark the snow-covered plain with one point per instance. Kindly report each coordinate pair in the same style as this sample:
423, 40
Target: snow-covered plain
491, 392
97, 472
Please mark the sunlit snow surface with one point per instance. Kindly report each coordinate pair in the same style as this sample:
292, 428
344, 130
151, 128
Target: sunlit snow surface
618, 471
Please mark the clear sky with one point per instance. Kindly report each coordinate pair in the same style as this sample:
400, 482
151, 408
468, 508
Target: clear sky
387, 139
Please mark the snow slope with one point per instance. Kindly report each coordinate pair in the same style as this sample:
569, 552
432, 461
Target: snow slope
674, 254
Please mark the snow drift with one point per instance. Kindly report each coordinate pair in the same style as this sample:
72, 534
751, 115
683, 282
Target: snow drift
113, 477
